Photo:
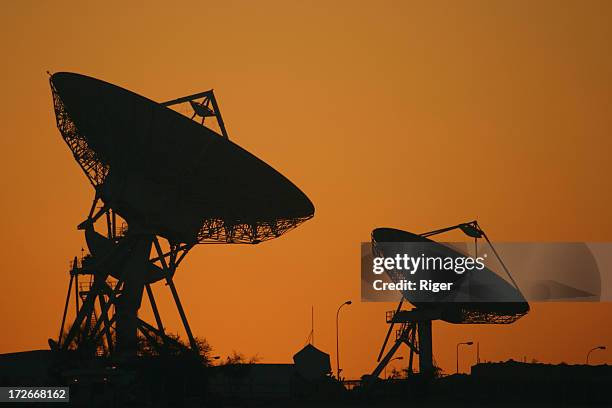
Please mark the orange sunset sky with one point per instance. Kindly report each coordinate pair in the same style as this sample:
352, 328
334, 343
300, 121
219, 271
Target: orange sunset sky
415, 115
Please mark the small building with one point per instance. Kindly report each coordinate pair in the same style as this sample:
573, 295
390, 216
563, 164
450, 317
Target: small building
311, 363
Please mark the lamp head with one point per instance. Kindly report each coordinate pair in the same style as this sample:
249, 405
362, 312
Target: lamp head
348, 302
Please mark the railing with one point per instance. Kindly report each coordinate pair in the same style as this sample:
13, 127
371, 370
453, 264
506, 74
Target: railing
80, 262
85, 287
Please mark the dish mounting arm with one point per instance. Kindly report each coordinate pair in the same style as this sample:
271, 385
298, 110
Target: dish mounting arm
207, 107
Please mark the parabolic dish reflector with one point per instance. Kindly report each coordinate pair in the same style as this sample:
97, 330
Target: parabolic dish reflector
165, 173
477, 296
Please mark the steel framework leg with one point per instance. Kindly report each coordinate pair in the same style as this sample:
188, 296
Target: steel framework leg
425, 351
404, 337
177, 300
59, 338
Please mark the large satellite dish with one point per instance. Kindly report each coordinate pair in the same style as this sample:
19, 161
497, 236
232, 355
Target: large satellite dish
478, 297
168, 176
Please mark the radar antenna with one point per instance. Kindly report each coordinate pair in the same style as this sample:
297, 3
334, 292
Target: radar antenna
133, 150
415, 329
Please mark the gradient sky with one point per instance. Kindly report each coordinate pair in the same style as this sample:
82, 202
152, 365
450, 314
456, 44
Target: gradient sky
415, 115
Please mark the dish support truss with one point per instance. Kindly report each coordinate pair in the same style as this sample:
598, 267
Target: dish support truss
106, 319
414, 332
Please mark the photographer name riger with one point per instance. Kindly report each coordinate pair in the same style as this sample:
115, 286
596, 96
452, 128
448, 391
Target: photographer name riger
426, 285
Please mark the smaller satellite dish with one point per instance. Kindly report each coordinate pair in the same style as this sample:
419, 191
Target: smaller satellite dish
478, 296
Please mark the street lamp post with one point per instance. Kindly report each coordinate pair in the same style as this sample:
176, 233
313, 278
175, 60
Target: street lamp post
396, 358
467, 343
348, 302
593, 349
